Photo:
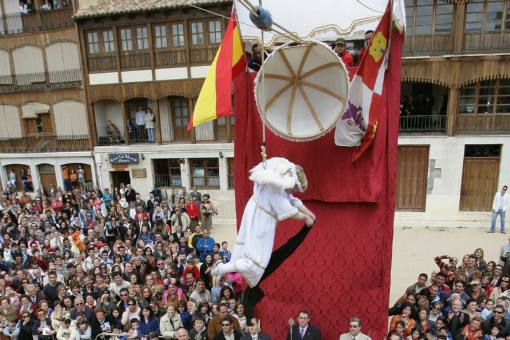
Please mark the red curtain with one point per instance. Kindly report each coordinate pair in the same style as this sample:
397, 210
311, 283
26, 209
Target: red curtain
343, 268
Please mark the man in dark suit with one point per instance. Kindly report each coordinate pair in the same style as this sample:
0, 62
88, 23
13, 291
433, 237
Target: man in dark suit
254, 332
33, 295
303, 330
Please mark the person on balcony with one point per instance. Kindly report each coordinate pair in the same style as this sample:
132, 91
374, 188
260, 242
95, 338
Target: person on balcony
74, 179
113, 132
23, 7
65, 177
340, 48
30, 183
81, 177
24, 179
140, 123
131, 130
11, 183
149, 125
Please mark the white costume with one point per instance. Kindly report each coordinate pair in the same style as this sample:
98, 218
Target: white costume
269, 204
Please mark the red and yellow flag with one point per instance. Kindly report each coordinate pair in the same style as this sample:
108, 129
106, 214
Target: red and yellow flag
215, 99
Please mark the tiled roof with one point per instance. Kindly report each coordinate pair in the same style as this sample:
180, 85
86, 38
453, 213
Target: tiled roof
109, 7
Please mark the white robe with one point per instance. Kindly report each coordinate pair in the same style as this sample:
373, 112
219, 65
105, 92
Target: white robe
255, 240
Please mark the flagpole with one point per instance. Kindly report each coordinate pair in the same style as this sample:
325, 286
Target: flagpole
387, 55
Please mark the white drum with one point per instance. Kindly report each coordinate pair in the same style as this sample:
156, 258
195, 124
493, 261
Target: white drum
304, 91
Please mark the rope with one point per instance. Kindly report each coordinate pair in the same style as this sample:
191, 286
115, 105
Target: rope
263, 147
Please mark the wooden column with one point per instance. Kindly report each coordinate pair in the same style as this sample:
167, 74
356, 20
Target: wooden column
158, 123
458, 28
125, 118
451, 112
92, 126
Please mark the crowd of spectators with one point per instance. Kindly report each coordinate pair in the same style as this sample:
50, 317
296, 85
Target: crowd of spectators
467, 301
78, 264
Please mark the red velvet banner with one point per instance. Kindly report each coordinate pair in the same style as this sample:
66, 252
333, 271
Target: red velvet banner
343, 268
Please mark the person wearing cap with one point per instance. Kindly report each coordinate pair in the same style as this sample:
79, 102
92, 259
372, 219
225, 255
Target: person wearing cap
207, 210
340, 48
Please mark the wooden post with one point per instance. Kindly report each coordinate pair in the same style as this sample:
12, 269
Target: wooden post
458, 29
125, 118
451, 113
92, 126
158, 123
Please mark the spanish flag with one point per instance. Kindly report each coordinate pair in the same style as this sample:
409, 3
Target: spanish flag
215, 99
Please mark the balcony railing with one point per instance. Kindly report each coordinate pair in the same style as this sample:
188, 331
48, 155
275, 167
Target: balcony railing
167, 181
211, 181
428, 44
45, 143
230, 178
135, 60
486, 42
170, 58
35, 22
102, 63
204, 55
428, 124
482, 123
40, 81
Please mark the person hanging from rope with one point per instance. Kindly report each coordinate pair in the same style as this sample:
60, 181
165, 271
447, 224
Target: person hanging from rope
272, 201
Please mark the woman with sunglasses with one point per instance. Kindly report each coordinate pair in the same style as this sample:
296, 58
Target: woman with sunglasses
42, 326
132, 312
25, 332
501, 288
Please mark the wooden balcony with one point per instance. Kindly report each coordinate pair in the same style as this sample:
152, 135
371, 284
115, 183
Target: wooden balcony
428, 44
36, 22
170, 58
102, 63
40, 81
203, 55
434, 124
486, 42
482, 124
135, 60
45, 143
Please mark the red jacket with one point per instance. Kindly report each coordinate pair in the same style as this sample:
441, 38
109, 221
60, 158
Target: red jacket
192, 210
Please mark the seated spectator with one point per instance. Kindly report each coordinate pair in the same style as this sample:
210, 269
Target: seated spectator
456, 319
473, 331
486, 283
405, 317
449, 270
487, 311
458, 288
435, 312
470, 271
409, 300
501, 287
423, 323
113, 132
419, 285
496, 320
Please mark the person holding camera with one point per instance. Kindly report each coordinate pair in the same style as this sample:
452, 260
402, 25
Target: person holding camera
449, 269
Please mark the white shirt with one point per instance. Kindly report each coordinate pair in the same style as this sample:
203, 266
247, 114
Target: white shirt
500, 201
140, 118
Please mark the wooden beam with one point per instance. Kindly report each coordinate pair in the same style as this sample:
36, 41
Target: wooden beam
451, 112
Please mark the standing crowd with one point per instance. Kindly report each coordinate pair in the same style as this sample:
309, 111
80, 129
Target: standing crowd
79, 264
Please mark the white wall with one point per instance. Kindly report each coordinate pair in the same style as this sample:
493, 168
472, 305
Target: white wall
108, 110
442, 203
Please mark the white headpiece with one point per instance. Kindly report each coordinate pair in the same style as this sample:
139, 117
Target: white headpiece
279, 174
